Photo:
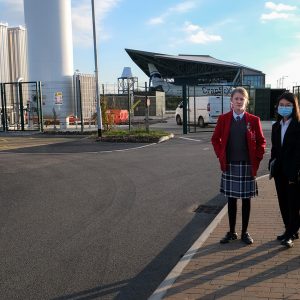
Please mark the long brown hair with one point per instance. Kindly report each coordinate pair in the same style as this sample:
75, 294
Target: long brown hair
292, 99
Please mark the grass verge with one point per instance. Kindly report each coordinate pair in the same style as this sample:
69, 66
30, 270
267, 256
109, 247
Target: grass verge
137, 135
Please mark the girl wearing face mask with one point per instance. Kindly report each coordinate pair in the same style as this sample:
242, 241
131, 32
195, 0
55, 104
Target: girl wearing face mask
239, 144
285, 162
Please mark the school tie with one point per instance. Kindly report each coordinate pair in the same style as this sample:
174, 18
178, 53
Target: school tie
238, 118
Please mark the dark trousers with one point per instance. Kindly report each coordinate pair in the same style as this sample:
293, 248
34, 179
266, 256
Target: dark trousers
232, 208
289, 203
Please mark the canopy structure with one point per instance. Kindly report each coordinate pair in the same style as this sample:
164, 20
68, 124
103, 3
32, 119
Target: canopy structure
197, 69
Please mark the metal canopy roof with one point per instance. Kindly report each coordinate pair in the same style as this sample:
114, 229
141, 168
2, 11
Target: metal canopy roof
188, 66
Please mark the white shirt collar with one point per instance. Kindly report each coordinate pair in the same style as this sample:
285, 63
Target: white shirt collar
286, 123
240, 115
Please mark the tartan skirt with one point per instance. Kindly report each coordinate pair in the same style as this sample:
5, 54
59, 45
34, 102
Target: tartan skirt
237, 181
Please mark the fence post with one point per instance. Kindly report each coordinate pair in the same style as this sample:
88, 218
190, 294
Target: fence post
129, 108
2, 107
40, 103
146, 108
184, 101
5, 108
80, 104
21, 105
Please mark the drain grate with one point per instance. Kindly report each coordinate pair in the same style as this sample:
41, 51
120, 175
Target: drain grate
208, 209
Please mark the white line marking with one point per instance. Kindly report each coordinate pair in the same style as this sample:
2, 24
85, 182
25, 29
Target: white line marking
162, 289
184, 138
127, 149
68, 153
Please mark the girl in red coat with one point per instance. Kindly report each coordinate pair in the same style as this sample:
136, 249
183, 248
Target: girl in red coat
239, 144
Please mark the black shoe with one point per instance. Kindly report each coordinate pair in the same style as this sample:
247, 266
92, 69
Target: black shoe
282, 237
229, 237
296, 236
246, 238
289, 242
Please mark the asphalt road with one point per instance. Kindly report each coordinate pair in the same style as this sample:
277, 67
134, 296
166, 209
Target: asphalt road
80, 220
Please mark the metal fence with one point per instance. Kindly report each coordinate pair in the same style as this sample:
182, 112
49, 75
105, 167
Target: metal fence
20, 106
72, 106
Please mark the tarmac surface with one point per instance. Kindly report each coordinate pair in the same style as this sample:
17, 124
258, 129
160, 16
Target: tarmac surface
208, 270
263, 270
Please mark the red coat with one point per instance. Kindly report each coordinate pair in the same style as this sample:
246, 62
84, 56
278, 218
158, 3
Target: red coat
255, 139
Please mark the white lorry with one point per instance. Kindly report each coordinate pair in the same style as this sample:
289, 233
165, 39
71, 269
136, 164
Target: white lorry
203, 110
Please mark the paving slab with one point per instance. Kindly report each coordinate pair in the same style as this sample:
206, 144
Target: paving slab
264, 270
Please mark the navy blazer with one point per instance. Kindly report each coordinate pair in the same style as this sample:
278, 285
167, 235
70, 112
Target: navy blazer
287, 155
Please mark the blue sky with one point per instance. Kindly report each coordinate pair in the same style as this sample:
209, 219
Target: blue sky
264, 35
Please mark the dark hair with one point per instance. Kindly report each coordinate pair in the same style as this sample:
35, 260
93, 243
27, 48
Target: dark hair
294, 100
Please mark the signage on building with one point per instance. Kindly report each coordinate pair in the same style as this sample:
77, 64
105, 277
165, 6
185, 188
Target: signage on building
58, 98
214, 90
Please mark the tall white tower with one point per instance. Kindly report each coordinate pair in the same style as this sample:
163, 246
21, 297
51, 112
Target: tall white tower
50, 49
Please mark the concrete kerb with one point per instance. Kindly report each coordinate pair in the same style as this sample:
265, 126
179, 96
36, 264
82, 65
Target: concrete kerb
162, 289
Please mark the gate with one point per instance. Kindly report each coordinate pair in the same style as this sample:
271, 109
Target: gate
21, 107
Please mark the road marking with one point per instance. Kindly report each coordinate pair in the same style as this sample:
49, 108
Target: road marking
189, 139
67, 153
123, 150
168, 282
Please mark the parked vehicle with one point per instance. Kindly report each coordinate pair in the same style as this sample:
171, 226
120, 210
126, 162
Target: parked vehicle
203, 110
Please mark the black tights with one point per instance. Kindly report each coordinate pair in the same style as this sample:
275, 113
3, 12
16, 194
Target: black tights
232, 213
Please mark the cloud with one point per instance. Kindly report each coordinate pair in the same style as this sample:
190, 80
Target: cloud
179, 8
157, 20
279, 7
278, 12
274, 16
197, 35
82, 20
183, 7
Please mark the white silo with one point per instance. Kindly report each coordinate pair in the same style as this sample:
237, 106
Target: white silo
4, 69
50, 47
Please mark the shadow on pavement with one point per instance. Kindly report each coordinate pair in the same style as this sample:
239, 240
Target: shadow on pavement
144, 284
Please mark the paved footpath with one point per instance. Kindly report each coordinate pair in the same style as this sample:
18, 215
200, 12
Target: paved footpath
264, 270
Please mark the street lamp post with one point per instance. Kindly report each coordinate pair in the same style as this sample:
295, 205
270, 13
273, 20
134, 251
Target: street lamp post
99, 116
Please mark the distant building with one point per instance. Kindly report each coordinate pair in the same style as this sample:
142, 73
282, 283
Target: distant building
197, 69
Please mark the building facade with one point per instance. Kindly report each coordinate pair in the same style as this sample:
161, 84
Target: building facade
185, 69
